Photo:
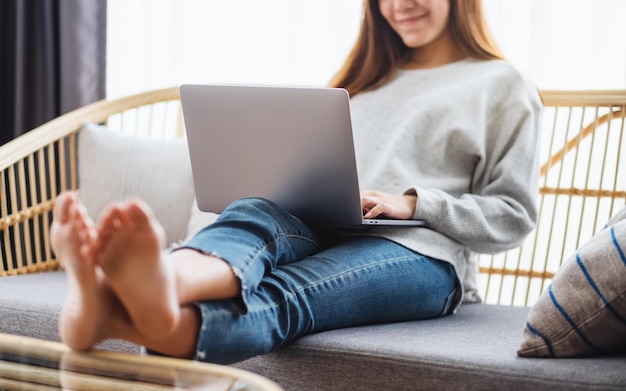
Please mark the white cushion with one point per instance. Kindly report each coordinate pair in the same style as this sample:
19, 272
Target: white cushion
199, 220
113, 167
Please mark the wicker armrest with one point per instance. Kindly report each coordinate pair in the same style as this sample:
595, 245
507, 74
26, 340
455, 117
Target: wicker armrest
37, 166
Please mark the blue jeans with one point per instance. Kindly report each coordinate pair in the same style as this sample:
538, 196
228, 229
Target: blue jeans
297, 279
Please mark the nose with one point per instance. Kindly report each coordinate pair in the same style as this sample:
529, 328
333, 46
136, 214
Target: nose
402, 5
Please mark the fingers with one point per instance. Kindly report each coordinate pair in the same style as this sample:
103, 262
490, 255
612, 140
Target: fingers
374, 204
380, 209
393, 206
369, 198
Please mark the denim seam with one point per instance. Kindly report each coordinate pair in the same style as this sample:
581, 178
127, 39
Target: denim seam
276, 239
352, 271
310, 286
240, 272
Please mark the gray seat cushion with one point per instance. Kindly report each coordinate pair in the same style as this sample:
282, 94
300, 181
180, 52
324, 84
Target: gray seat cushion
473, 349
30, 305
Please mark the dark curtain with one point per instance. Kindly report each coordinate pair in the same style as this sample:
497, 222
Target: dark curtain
52, 60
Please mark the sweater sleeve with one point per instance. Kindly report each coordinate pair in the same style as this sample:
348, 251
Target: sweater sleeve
500, 210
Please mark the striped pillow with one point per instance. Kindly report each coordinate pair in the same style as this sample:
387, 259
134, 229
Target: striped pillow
583, 311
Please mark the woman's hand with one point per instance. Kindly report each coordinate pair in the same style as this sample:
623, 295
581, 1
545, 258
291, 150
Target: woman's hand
393, 206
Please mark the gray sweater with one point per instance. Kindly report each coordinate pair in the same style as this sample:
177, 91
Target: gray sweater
464, 138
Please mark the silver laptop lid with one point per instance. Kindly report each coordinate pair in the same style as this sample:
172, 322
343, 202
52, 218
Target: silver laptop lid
291, 145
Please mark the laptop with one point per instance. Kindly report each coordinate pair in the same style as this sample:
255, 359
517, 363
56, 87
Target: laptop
291, 145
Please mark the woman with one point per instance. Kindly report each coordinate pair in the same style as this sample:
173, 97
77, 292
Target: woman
445, 131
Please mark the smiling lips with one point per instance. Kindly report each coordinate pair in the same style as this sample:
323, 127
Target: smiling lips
411, 20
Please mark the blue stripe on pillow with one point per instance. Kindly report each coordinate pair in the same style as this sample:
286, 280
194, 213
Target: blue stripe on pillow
597, 290
570, 321
617, 246
545, 339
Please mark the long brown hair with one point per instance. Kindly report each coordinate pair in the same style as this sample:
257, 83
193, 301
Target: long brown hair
379, 49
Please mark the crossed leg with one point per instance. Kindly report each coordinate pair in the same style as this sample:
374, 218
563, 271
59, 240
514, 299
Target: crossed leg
121, 284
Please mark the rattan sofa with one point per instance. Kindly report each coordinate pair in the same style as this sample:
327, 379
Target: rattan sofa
582, 185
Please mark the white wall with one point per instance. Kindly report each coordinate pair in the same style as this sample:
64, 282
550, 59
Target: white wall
562, 44
160, 43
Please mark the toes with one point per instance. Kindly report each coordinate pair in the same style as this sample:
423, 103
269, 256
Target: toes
87, 235
86, 252
128, 216
63, 207
133, 213
83, 215
69, 210
138, 213
111, 219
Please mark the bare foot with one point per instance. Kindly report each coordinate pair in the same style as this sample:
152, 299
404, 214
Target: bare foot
129, 250
88, 301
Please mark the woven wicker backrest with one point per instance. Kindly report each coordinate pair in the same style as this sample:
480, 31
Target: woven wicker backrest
37, 166
582, 183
